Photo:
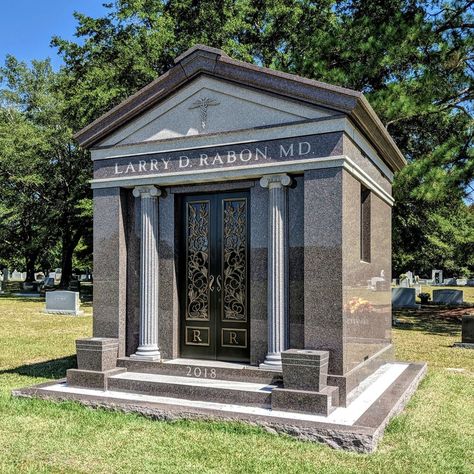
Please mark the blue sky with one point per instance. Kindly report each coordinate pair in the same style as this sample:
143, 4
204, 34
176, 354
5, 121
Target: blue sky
26, 26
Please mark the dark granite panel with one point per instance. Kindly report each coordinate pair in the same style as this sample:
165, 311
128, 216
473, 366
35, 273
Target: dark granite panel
296, 262
259, 341
323, 264
296, 335
350, 380
168, 326
258, 273
361, 159
367, 312
133, 273
213, 187
110, 263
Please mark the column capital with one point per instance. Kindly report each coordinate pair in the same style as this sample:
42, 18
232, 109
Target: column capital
275, 181
148, 191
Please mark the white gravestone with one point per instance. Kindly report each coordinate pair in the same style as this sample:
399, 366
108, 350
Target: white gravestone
17, 276
448, 296
404, 298
405, 283
461, 282
63, 302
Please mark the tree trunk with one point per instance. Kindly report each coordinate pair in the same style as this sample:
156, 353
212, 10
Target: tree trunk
30, 259
69, 244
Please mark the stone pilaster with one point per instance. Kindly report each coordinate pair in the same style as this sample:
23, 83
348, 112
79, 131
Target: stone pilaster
277, 299
148, 341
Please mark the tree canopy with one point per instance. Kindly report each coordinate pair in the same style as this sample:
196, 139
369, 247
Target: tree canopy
413, 59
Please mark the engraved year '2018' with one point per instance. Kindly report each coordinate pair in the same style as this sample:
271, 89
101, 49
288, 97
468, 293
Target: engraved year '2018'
201, 373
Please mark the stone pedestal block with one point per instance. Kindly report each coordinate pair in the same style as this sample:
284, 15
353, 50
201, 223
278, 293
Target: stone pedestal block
91, 378
305, 369
96, 361
97, 353
302, 401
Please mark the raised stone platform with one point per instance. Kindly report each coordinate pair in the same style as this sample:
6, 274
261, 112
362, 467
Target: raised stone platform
357, 427
202, 369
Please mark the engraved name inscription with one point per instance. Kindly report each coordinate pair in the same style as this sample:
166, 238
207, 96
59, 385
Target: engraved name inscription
221, 157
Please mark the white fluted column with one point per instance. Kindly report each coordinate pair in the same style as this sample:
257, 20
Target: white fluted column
277, 299
148, 341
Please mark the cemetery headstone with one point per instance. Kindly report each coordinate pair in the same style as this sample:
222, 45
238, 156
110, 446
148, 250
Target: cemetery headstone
31, 286
48, 283
17, 276
62, 302
449, 281
404, 298
470, 282
467, 338
461, 282
405, 283
450, 297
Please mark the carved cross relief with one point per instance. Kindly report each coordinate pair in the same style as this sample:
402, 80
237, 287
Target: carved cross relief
203, 103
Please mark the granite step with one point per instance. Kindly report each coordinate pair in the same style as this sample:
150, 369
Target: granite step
202, 369
191, 388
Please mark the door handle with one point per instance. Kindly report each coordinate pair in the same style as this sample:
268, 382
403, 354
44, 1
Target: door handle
218, 281
211, 282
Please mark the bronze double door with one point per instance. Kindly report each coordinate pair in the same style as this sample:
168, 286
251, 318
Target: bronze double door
215, 277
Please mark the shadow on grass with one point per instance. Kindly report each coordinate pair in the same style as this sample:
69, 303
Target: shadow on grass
23, 299
51, 369
427, 322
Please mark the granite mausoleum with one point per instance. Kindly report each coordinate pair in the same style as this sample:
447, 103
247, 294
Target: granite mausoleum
238, 214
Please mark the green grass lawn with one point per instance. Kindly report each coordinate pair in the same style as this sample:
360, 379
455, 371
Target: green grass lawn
435, 433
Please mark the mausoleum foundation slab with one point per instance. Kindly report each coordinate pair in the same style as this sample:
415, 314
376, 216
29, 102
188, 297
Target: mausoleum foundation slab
357, 427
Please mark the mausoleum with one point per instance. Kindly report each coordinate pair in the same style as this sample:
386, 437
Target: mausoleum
239, 214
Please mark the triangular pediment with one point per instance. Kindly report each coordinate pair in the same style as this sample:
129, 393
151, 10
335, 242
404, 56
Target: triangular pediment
239, 96
208, 105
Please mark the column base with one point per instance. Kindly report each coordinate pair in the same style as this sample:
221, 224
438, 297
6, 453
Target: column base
272, 362
147, 354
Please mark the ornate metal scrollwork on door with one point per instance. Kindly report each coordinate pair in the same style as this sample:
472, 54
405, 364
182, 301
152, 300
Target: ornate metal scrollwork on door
197, 259
234, 266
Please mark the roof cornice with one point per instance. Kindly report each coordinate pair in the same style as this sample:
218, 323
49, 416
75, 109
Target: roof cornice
205, 60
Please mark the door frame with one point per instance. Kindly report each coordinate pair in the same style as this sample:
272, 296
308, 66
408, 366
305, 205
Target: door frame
217, 325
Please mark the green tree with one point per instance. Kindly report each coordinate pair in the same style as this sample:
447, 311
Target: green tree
412, 58
43, 176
